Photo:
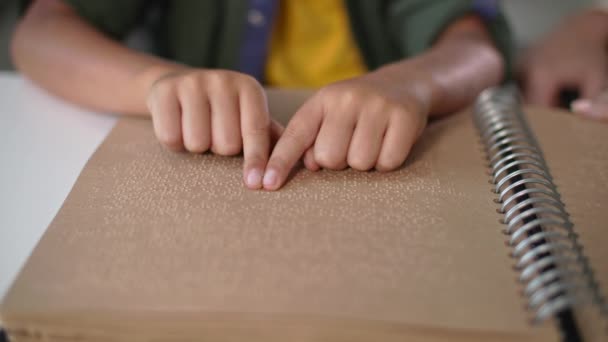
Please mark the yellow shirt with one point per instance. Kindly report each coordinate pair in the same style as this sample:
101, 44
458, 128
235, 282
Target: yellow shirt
312, 45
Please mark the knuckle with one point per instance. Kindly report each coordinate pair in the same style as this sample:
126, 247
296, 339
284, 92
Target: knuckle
257, 134
360, 162
217, 78
390, 106
228, 148
170, 139
408, 118
407, 115
190, 83
249, 82
332, 92
258, 128
325, 91
328, 159
220, 78
163, 85
197, 144
389, 163
350, 96
159, 92
292, 134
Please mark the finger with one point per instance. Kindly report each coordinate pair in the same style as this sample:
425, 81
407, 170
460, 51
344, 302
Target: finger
255, 130
366, 142
276, 131
592, 109
225, 122
401, 133
166, 117
331, 145
296, 139
542, 90
196, 120
309, 160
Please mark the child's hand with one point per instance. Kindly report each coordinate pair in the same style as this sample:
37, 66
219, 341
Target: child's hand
595, 109
366, 122
217, 110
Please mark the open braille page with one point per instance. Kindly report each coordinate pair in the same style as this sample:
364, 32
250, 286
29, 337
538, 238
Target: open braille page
157, 245
576, 151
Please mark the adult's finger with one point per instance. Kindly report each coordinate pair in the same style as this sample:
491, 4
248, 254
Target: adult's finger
256, 133
298, 136
596, 109
165, 110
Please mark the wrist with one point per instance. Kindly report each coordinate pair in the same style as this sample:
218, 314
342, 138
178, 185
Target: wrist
410, 77
460, 69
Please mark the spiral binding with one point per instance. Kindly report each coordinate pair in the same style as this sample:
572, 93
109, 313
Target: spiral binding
552, 268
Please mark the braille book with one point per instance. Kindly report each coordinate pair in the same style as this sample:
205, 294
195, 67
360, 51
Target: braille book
495, 229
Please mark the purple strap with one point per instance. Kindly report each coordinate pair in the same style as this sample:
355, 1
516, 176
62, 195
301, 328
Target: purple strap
256, 40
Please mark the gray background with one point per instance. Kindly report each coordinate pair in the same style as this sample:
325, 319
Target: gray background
529, 18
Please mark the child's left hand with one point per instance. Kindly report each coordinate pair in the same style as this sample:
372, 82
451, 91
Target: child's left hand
367, 122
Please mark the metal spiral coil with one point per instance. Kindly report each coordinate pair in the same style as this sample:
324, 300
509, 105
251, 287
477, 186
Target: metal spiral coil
552, 268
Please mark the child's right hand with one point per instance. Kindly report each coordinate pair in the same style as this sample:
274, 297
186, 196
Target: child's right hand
218, 110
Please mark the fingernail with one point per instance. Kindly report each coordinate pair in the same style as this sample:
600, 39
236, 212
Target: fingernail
582, 106
270, 178
254, 178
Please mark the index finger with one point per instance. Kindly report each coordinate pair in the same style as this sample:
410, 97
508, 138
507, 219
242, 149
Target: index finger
298, 136
255, 131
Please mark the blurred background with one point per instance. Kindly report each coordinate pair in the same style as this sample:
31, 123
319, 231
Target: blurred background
8, 17
530, 19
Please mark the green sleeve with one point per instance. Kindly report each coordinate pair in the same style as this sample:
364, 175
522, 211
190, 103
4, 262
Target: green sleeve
416, 24
116, 18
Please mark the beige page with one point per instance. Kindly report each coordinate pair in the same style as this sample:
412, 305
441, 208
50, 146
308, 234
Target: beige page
576, 151
162, 245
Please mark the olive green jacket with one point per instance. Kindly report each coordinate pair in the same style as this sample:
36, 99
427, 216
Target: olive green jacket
208, 33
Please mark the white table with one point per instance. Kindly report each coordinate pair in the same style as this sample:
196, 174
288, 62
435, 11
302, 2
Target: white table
44, 144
